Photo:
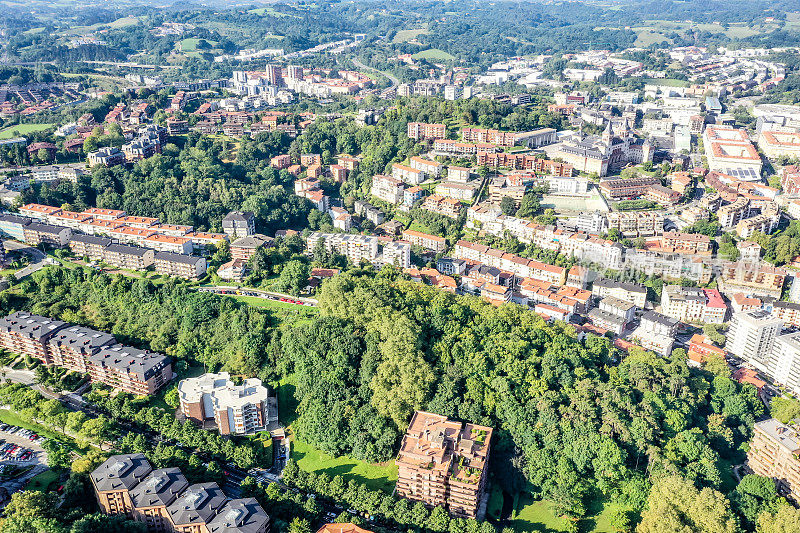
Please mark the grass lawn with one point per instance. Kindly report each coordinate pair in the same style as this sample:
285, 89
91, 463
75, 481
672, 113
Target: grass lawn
12, 418
309, 458
403, 36
41, 482
273, 304
417, 226
535, 516
21, 129
666, 82
190, 45
434, 53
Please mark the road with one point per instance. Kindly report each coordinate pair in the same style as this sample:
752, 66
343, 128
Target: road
359, 64
39, 258
256, 293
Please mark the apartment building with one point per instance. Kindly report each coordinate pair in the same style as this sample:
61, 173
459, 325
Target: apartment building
281, 161
481, 135
128, 257
731, 214
151, 497
607, 321
627, 188
755, 279
235, 409
246, 247
691, 304
783, 364
348, 162
39, 211
444, 462
130, 235
429, 242
169, 243
397, 254
685, 243
432, 169
13, 226
451, 148
656, 332
701, 348
88, 246
751, 336
457, 190
459, 174
108, 157
239, 224
115, 477
356, 248
71, 346
449, 207
104, 214
307, 160
164, 501
494, 159
762, 223
407, 174
244, 515
775, 452
26, 334
131, 370
198, 505
662, 195
342, 528
69, 219
520, 266
387, 188
36, 234
420, 131
180, 265
630, 292
57, 343
636, 223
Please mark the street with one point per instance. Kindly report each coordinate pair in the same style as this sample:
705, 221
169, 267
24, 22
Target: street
38, 257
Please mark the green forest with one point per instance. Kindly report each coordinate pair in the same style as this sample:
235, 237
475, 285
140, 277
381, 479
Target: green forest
576, 421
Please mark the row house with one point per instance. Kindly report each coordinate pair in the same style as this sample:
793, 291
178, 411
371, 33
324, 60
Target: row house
448, 207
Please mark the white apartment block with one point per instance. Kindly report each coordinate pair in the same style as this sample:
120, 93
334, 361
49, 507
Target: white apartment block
636, 223
783, 365
356, 248
752, 335
690, 304
236, 409
426, 166
397, 254
407, 174
387, 188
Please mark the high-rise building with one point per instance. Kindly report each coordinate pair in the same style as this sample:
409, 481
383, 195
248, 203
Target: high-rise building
294, 72
444, 462
783, 365
752, 335
775, 452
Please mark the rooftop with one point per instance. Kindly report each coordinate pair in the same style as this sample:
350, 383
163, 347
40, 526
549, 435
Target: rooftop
121, 472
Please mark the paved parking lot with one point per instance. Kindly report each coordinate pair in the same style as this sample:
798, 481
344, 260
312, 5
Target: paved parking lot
38, 460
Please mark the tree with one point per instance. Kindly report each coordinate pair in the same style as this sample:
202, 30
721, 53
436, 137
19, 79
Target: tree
31, 511
171, 397
299, 525
785, 520
508, 206
753, 496
294, 277
785, 409
675, 504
